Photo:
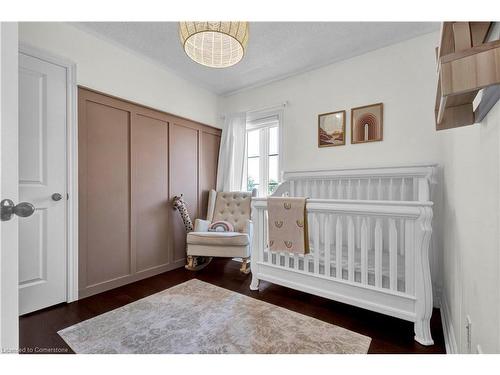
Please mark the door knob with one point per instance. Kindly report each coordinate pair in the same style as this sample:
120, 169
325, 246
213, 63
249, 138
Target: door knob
7, 209
56, 197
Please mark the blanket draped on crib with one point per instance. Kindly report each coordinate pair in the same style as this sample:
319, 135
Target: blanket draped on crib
288, 225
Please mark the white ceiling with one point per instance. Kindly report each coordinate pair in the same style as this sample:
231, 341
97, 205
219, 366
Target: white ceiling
275, 49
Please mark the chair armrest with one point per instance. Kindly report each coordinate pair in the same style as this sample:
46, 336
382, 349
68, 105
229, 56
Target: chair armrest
201, 225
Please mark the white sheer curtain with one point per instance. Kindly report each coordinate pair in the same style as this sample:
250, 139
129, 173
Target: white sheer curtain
232, 153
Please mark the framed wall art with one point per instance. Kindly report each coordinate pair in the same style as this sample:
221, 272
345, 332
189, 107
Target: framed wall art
367, 123
331, 129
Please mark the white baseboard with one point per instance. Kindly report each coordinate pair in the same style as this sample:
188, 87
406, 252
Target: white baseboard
449, 335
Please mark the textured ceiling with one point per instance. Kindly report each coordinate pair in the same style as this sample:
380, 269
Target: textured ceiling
275, 49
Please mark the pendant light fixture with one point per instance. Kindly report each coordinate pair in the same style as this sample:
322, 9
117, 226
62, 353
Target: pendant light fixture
214, 44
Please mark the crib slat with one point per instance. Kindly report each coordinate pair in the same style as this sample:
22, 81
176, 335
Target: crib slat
403, 190
350, 249
330, 191
378, 253
349, 189
316, 223
390, 190
357, 231
261, 241
393, 255
338, 248
401, 236
369, 240
364, 252
314, 189
368, 188
287, 260
415, 189
359, 190
409, 257
327, 234
379, 189
292, 188
296, 261
339, 189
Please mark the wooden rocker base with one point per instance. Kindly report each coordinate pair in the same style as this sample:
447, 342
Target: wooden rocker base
196, 263
245, 266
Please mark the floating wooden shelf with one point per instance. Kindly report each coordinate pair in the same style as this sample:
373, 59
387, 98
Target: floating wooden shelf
465, 65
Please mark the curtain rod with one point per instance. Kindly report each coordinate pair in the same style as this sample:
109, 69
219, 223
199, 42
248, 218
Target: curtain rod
259, 109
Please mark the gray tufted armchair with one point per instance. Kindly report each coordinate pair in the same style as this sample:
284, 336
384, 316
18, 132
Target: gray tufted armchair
233, 207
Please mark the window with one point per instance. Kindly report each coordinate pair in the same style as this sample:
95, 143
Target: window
262, 167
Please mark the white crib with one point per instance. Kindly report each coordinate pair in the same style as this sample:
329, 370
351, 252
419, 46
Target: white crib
369, 232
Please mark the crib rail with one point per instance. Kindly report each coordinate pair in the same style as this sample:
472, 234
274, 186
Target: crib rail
371, 244
409, 183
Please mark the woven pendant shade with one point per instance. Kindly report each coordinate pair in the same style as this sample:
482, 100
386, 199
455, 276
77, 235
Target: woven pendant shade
214, 44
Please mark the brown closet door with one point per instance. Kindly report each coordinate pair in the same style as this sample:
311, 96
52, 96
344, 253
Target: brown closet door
132, 161
209, 156
150, 203
183, 180
104, 170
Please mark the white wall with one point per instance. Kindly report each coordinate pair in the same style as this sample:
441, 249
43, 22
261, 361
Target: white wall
106, 67
402, 76
471, 228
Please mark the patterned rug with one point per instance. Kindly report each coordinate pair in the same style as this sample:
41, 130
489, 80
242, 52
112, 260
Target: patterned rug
197, 317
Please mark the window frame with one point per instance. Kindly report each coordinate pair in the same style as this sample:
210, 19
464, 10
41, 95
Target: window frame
264, 122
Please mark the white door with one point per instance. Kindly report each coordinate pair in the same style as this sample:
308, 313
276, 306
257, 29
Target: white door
42, 182
9, 325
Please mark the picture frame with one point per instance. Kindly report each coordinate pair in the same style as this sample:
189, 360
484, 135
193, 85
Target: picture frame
367, 123
331, 129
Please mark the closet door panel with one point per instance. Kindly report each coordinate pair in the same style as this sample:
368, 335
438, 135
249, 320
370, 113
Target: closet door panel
107, 216
150, 204
183, 180
132, 161
208, 167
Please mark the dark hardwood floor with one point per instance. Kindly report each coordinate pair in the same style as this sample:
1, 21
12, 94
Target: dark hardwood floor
38, 330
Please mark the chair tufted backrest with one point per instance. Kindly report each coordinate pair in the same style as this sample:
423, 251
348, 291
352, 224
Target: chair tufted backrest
233, 207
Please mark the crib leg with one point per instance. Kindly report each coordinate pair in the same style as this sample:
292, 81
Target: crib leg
245, 266
255, 283
423, 332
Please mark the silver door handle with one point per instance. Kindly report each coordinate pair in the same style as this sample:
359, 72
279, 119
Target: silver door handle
56, 197
7, 209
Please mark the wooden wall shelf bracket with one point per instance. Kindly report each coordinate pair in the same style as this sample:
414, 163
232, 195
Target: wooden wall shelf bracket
465, 66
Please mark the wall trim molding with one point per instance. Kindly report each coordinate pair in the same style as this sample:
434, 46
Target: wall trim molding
71, 164
448, 332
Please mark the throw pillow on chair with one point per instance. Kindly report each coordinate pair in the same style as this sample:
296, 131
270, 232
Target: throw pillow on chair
221, 226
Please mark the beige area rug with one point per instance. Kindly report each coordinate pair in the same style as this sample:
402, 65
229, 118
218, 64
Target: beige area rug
197, 317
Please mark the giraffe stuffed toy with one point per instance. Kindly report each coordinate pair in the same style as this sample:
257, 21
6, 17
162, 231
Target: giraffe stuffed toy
193, 263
